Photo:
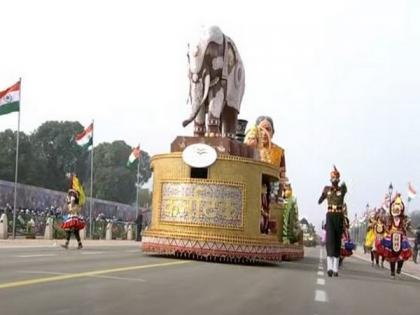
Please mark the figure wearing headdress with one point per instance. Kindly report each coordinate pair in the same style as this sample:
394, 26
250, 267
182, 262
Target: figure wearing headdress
396, 246
379, 232
370, 234
74, 222
334, 220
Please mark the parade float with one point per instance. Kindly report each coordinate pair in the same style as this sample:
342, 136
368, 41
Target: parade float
219, 195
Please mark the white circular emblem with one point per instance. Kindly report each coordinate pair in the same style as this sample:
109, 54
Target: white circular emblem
199, 155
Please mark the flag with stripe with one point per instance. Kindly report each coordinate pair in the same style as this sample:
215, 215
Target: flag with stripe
411, 192
85, 138
135, 154
10, 99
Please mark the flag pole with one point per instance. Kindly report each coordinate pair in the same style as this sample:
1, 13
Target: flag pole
16, 164
137, 185
91, 182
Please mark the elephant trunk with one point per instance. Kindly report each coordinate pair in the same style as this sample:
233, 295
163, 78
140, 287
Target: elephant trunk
199, 106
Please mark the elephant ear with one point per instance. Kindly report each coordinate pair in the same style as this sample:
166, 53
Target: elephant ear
231, 56
238, 75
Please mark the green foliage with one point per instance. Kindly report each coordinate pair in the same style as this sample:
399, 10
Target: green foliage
57, 154
112, 179
50, 152
8, 157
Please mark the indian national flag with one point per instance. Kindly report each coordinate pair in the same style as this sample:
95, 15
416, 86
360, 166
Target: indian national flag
85, 138
411, 192
10, 99
135, 154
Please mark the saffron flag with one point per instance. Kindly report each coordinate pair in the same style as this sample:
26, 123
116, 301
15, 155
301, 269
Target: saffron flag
411, 192
135, 154
10, 99
77, 186
85, 138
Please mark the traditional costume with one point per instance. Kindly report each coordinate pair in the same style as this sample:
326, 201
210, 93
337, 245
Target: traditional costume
379, 232
334, 220
74, 222
347, 245
396, 246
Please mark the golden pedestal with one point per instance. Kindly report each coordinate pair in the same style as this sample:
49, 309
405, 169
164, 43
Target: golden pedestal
217, 216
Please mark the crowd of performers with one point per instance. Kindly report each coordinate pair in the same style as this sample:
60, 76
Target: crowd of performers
386, 237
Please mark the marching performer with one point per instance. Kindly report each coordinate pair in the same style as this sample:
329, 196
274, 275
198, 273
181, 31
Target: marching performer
379, 230
74, 222
334, 220
396, 247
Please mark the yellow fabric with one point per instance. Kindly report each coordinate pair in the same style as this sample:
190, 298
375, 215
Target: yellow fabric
272, 155
79, 188
370, 238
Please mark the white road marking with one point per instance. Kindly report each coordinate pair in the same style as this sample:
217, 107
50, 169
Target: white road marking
320, 273
37, 255
320, 281
320, 296
321, 267
386, 267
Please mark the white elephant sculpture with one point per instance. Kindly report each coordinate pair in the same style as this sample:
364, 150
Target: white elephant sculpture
217, 84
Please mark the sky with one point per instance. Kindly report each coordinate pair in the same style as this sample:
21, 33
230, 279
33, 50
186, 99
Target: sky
339, 78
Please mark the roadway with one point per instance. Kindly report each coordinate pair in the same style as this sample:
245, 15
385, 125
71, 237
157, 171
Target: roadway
121, 280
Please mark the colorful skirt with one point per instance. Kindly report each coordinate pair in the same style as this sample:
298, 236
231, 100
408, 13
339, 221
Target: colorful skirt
73, 223
379, 247
347, 247
396, 247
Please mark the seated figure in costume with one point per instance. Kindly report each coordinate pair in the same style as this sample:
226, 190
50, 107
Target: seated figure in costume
334, 220
259, 137
74, 222
347, 245
396, 248
379, 230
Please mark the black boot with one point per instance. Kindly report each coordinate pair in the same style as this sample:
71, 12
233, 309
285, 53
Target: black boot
330, 273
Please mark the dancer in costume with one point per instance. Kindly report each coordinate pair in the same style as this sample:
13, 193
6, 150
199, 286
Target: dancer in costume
334, 220
379, 230
396, 246
370, 234
347, 245
74, 222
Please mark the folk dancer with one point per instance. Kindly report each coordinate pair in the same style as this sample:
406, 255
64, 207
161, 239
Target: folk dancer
74, 222
396, 246
379, 230
334, 220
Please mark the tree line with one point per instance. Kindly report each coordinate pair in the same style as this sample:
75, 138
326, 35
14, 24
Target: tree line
48, 153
